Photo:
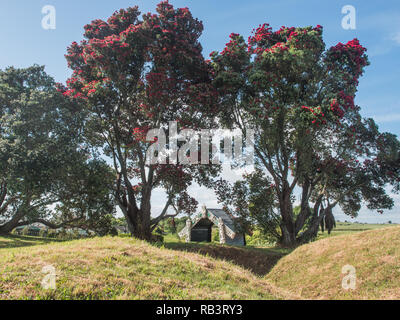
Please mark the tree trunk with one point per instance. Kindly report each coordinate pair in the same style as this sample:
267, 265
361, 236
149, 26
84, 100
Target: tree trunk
312, 231
22, 211
138, 221
144, 216
288, 238
143, 230
288, 229
304, 207
13, 223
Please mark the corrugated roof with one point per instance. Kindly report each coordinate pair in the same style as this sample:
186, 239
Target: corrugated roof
219, 213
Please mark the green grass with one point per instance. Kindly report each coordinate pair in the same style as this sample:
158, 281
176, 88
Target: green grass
314, 271
350, 227
125, 268
121, 268
14, 241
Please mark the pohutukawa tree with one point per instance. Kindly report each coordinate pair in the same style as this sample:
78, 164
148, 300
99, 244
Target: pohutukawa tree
133, 73
311, 143
45, 173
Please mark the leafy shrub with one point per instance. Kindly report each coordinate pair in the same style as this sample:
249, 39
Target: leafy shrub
259, 239
113, 232
43, 233
215, 234
62, 235
51, 233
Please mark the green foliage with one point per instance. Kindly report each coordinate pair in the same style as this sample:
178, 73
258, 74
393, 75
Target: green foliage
52, 234
62, 235
173, 225
180, 223
46, 173
215, 235
253, 200
259, 238
43, 233
113, 232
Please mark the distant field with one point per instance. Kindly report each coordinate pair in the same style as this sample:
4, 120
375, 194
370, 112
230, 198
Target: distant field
349, 228
341, 229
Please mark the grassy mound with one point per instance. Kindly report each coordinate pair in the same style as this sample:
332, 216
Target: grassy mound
314, 271
123, 268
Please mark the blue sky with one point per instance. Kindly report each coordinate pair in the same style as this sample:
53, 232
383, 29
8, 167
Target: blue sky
25, 42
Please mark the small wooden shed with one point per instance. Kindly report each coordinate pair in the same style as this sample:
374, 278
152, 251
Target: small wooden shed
199, 228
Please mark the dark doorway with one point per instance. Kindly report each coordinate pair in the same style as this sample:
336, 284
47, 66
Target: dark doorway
201, 232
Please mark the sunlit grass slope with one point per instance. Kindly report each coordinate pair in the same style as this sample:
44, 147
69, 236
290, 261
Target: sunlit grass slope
314, 271
123, 268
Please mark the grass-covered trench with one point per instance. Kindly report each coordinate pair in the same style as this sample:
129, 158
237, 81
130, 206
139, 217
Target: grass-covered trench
126, 268
123, 268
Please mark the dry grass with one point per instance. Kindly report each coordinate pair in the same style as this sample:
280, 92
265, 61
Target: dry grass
314, 271
120, 268
125, 268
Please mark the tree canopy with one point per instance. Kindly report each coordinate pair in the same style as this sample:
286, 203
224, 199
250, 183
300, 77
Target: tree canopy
133, 73
70, 153
310, 136
45, 173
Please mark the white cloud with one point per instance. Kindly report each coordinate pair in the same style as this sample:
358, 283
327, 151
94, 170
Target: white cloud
384, 23
396, 37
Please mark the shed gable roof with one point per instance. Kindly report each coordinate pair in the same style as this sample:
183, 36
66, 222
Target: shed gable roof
214, 215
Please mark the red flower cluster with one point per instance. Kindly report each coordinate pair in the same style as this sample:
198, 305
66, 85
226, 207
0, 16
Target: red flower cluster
354, 52
263, 32
347, 100
317, 113
336, 109
278, 47
264, 40
140, 134
230, 46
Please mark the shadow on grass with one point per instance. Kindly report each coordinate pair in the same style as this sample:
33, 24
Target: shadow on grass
258, 260
15, 241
